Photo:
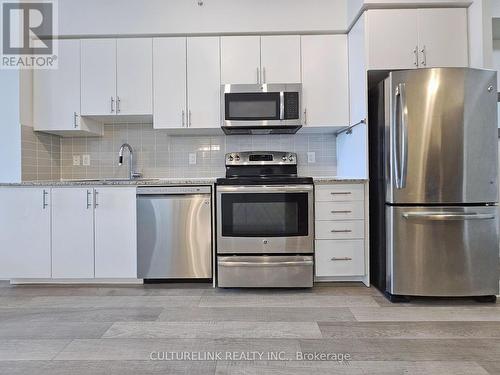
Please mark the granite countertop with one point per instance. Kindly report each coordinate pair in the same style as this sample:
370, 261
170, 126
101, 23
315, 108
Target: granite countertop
160, 181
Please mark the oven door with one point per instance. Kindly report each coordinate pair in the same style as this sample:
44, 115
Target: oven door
265, 219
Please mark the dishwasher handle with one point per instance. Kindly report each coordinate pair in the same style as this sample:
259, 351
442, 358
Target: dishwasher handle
174, 190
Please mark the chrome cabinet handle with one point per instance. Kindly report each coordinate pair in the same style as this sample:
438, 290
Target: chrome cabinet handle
415, 52
341, 231
340, 193
258, 75
400, 136
112, 104
424, 56
183, 115
118, 110
340, 258
305, 116
190, 118
340, 212
96, 203
44, 199
74, 119
447, 216
89, 204
264, 75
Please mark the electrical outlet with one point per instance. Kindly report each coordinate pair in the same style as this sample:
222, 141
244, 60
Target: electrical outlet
86, 160
192, 158
311, 157
76, 159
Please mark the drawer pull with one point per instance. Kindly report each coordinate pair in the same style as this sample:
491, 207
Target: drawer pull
340, 212
341, 231
338, 258
340, 193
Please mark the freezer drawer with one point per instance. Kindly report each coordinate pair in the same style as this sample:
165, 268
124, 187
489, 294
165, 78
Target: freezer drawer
265, 271
442, 251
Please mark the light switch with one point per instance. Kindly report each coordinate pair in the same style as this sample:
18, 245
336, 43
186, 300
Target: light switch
86, 160
192, 158
311, 157
76, 159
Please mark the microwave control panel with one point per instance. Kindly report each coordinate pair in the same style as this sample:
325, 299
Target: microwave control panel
291, 105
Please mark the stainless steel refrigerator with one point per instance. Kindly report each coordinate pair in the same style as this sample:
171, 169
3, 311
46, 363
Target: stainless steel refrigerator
434, 183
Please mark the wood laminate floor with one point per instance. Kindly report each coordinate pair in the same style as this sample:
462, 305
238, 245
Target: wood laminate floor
117, 329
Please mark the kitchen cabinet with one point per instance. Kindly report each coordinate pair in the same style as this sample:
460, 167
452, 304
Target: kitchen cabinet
169, 71
115, 232
56, 96
117, 77
25, 233
187, 82
416, 38
266, 59
280, 59
341, 232
240, 59
72, 233
325, 87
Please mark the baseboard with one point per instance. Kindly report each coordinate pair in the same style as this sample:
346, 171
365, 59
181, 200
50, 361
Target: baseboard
76, 281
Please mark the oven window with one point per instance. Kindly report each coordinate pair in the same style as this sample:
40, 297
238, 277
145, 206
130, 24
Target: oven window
265, 215
252, 106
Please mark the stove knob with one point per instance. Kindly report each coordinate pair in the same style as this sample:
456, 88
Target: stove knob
284, 158
237, 157
230, 158
290, 158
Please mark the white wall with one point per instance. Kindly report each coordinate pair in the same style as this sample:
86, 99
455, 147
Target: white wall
98, 17
495, 9
480, 34
10, 141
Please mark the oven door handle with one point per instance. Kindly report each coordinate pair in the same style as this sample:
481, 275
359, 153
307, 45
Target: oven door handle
266, 264
265, 188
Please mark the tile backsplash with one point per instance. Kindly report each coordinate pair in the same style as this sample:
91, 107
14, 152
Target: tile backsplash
41, 155
157, 154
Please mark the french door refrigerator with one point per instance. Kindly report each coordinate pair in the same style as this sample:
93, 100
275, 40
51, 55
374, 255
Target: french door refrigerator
434, 183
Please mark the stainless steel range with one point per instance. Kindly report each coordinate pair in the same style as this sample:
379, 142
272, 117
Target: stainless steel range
264, 222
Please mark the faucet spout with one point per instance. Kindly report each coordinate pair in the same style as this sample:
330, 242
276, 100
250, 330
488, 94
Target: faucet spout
124, 146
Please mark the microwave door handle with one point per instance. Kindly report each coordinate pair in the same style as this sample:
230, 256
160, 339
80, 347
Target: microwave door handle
282, 105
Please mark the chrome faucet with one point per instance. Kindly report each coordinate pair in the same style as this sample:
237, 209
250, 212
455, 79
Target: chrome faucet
131, 173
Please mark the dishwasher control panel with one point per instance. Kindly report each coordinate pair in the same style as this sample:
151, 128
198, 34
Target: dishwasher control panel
174, 190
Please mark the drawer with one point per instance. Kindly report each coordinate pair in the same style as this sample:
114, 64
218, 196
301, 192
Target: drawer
340, 230
340, 210
340, 192
340, 258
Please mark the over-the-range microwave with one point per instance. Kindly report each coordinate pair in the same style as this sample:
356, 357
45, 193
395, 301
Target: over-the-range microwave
261, 108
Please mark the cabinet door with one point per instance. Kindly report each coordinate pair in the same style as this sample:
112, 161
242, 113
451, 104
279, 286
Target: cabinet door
442, 37
392, 38
134, 76
169, 87
24, 233
280, 59
325, 87
203, 82
240, 59
98, 76
56, 92
72, 233
115, 232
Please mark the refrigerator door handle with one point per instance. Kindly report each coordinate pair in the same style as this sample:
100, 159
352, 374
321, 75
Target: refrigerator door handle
400, 136
447, 216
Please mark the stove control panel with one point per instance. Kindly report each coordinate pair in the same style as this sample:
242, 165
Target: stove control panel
249, 158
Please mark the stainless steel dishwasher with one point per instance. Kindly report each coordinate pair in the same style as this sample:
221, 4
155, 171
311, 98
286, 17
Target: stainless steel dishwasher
174, 232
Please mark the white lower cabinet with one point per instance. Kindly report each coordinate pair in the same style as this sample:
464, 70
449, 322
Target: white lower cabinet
72, 233
115, 232
340, 225
24, 233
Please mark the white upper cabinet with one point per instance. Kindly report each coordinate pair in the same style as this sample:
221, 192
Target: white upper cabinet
169, 83
325, 87
240, 59
416, 38
134, 76
24, 233
115, 232
203, 82
72, 233
98, 75
442, 38
280, 59
392, 38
